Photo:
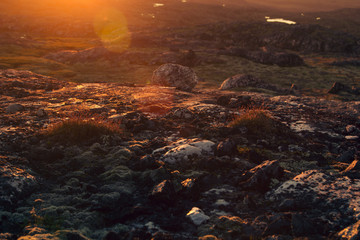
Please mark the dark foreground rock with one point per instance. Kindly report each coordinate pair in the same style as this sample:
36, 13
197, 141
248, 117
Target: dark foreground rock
177, 169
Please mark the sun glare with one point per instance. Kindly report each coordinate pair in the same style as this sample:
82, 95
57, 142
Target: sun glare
111, 27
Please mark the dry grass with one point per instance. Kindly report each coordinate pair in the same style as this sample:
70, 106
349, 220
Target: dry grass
79, 130
257, 120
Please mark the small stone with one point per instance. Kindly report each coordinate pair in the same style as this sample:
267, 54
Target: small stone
221, 202
350, 128
163, 192
260, 176
13, 108
41, 113
197, 216
349, 137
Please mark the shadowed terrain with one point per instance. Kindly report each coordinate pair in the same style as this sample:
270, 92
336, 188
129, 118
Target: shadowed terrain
222, 119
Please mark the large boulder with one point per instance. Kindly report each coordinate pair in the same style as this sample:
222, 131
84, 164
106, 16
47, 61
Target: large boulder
175, 75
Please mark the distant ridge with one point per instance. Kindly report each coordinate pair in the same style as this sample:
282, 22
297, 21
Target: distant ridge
305, 5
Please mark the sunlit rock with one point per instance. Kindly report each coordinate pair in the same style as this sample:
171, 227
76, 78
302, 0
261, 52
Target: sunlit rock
174, 75
234, 223
183, 150
331, 191
205, 108
46, 236
221, 202
352, 171
15, 183
260, 176
60, 234
197, 216
352, 232
350, 128
163, 193
349, 137
208, 237
33, 230
300, 126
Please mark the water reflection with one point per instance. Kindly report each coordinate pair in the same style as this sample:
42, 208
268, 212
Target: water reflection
279, 20
158, 5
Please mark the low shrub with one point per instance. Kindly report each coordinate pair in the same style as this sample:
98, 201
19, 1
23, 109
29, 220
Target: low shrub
78, 130
257, 120
261, 124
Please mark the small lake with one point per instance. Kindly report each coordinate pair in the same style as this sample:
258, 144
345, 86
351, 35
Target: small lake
279, 20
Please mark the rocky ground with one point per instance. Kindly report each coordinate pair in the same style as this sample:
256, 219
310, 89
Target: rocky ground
179, 169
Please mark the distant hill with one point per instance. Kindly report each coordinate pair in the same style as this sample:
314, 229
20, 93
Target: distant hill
305, 5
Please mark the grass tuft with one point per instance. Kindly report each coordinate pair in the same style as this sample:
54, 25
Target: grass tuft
78, 130
257, 120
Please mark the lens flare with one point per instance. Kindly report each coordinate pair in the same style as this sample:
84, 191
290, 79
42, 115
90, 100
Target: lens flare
112, 28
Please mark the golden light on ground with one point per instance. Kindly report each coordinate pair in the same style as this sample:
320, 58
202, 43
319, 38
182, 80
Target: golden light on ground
150, 100
111, 27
